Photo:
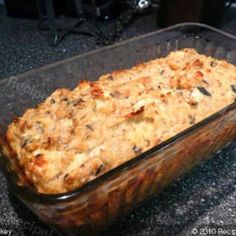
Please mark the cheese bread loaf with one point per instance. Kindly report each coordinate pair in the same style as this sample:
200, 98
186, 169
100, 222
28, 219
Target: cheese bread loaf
77, 135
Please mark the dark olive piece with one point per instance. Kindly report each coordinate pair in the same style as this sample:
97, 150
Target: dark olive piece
233, 87
204, 91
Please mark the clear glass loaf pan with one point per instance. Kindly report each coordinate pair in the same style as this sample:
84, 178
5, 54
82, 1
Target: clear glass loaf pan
89, 209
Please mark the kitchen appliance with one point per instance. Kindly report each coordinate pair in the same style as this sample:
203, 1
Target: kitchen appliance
119, 13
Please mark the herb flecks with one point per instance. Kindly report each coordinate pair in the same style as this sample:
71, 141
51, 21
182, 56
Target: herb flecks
66, 176
65, 99
99, 170
90, 127
25, 142
192, 119
115, 94
205, 81
77, 102
162, 72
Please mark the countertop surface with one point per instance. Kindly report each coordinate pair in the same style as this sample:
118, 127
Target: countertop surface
205, 198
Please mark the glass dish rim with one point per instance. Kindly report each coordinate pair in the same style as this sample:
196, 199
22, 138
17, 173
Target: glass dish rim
105, 48
26, 192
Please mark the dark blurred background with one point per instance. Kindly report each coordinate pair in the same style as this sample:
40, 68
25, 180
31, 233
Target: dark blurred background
27, 33
170, 11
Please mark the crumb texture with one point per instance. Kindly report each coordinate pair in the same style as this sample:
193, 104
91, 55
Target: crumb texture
77, 135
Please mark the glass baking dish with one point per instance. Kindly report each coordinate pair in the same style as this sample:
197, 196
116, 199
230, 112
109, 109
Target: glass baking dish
90, 208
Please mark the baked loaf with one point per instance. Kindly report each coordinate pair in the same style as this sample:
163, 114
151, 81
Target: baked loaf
75, 136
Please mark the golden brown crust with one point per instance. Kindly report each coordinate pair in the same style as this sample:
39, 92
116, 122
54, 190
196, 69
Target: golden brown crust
75, 136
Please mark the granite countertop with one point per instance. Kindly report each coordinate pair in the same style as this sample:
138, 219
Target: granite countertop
205, 196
